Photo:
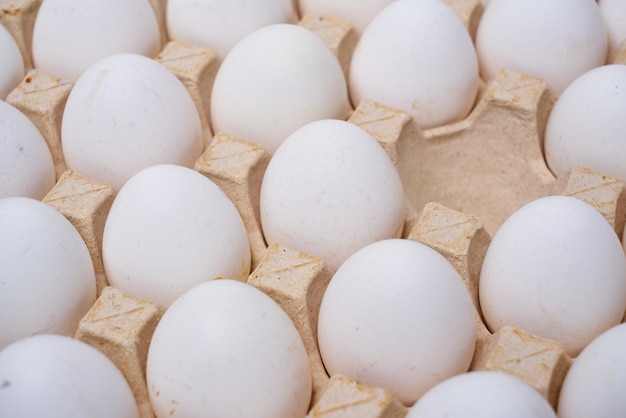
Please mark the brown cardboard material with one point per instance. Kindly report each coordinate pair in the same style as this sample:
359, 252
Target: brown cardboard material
160, 12
42, 97
469, 11
540, 362
121, 326
347, 398
18, 16
86, 204
297, 281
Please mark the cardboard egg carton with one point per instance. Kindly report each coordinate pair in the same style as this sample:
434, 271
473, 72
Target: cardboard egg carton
499, 143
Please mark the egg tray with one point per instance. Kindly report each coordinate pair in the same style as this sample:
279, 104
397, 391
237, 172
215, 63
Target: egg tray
461, 182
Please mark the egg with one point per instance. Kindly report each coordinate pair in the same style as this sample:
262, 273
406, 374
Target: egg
12, 65
274, 81
56, 376
225, 349
47, 279
220, 24
125, 113
485, 394
555, 40
555, 269
71, 35
26, 167
169, 229
614, 14
418, 57
397, 315
360, 13
587, 126
595, 384
329, 190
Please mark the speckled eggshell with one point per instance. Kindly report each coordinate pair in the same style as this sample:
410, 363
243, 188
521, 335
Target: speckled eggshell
169, 229
397, 315
225, 349
595, 384
47, 279
26, 167
555, 269
330, 190
274, 81
418, 57
11, 65
125, 113
56, 376
484, 394
71, 35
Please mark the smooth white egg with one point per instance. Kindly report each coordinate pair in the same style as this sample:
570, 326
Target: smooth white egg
71, 35
397, 315
26, 167
125, 113
329, 190
225, 349
274, 81
587, 126
614, 14
56, 376
11, 66
556, 40
47, 280
418, 57
595, 384
485, 394
220, 24
359, 13
555, 269
169, 229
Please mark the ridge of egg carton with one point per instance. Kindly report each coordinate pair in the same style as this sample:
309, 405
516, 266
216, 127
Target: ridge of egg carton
508, 120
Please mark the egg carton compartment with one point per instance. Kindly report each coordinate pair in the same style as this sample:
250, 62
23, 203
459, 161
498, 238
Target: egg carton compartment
499, 144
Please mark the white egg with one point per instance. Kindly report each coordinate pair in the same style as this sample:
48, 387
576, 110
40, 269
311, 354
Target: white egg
220, 24
359, 13
26, 167
225, 349
330, 190
11, 66
555, 269
614, 14
556, 40
417, 56
47, 280
71, 35
274, 81
483, 394
55, 376
595, 384
397, 315
169, 229
587, 126
125, 113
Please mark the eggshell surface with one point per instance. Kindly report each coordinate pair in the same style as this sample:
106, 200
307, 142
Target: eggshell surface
225, 349
485, 394
71, 35
274, 81
555, 269
169, 229
329, 190
12, 66
596, 382
125, 113
418, 57
555, 40
220, 24
56, 376
587, 127
26, 167
47, 280
614, 14
397, 315
360, 13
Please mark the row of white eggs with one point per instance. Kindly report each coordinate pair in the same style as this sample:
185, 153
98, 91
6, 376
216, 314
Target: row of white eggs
617, 292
